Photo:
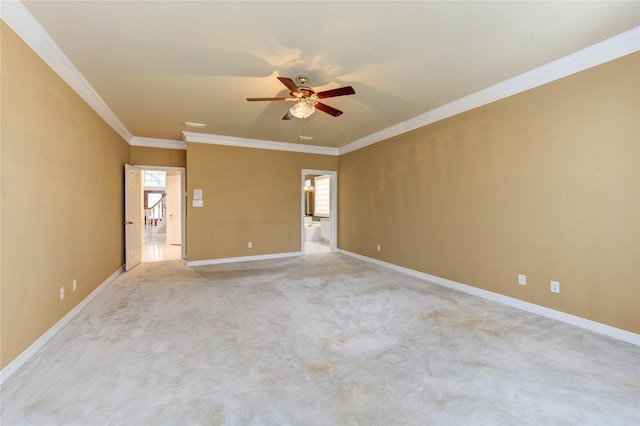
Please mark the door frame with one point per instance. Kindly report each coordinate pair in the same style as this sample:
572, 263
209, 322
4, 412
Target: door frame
183, 207
333, 208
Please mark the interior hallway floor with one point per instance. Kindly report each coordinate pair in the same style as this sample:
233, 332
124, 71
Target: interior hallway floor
316, 340
155, 249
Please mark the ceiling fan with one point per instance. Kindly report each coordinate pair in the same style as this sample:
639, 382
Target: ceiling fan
306, 99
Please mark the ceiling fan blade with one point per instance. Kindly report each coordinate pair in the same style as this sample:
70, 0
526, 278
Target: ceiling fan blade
266, 99
337, 92
329, 110
287, 116
289, 83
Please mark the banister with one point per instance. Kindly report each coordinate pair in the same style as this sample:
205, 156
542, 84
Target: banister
155, 213
157, 202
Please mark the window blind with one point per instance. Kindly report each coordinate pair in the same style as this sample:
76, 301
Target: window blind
322, 196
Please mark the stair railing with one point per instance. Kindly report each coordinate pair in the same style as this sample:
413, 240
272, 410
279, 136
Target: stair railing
155, 214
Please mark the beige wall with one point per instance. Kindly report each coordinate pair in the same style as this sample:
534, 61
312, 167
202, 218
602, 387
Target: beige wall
163, 157
545, 183
249, 195
62, 169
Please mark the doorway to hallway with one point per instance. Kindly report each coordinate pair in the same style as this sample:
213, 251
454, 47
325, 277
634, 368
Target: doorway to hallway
163, 236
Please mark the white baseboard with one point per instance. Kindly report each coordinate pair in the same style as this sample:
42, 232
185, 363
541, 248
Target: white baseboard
243, 259
28, 353
606, 330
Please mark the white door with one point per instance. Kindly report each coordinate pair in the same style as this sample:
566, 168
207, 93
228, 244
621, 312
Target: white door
132, 217
174, 209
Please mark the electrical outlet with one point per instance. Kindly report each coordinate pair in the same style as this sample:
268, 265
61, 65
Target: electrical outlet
61, 293
378, 247
522, 279
250, 244
555, 287
74, 285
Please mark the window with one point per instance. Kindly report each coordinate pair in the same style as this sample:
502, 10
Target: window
155, 178
322, 196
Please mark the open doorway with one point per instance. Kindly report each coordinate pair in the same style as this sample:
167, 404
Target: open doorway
163, 194
319, 218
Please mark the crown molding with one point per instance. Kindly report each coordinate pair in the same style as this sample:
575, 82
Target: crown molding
599, 53
257, 143
158, 143
20, 20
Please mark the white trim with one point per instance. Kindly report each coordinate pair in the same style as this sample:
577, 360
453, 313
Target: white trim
605, 51
16, 15
165, 168
596, 327
257, 143
243, 259
333, 239
32, 350
158, 143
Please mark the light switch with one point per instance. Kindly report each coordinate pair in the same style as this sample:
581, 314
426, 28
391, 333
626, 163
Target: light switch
197, 203
197, 194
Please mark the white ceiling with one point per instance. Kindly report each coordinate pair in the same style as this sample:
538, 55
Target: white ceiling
157, 64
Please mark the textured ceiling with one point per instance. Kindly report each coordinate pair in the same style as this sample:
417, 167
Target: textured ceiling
158, 64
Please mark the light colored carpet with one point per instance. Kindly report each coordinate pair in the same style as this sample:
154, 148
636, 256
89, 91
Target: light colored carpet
317, 340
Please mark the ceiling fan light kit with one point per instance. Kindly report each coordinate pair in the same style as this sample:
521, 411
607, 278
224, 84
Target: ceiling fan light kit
302, 109
306, 99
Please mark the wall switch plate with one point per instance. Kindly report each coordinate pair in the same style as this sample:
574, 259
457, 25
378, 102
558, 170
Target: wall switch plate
75, 285
555, 286
522, 279
61, 293
378, 247
250, 244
